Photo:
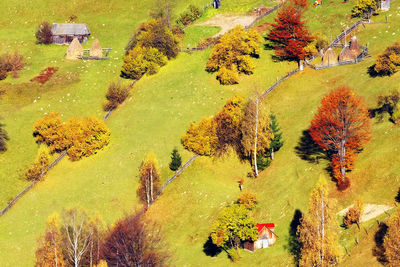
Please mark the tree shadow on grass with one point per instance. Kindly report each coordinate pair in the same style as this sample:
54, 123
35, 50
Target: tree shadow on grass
210, 249
294, 245
310, 151
379, 251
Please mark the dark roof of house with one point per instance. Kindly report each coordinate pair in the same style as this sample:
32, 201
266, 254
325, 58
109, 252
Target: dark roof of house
70, 29
260, 226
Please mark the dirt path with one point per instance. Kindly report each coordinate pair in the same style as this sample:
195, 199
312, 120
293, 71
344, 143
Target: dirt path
370, 211
228, 22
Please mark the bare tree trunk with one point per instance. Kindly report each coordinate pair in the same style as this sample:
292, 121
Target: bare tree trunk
255, 141
272, 153
147, 193
323, 230
55, 249
151, 184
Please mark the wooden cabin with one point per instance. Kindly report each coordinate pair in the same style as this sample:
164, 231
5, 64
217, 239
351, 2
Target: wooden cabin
266, 237
64, 33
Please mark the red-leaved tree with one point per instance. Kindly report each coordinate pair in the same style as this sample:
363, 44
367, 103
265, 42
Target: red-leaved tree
289, 34
341, 126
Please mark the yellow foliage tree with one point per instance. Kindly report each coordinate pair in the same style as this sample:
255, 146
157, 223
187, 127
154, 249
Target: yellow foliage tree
202, 138
39, 168
392, 240
51, 131
248, 200
232, 55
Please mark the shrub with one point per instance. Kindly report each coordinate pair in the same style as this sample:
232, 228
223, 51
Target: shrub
43, 33
3, 138
13, 62
227, 76
176, 160
263, 162
141, 60
354, 214
51, 131
202, 138
232, 55
364, 7
189, 16
38, 169
388, 62
116, 95
248, 200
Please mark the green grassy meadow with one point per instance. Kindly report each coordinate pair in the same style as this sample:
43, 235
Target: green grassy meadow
156, 115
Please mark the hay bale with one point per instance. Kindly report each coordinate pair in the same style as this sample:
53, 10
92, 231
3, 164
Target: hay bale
355, 46
75, 50
346, 55
330, 58
95, 50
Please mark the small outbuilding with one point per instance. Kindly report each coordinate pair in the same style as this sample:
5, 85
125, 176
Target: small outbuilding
266, 237
346, 55
65, 33
329, 58
75, 50
355, 46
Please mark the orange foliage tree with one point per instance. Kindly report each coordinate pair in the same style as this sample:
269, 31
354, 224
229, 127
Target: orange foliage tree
341, 126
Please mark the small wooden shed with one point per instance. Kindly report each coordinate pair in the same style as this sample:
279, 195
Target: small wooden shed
266, 237
330, 58
64, 33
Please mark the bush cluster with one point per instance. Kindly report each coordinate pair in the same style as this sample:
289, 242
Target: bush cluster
39, 167
11, 63
79, 137
116, 95
364, 7
388, 62
149, 48
248, 200
189, 16
232, 55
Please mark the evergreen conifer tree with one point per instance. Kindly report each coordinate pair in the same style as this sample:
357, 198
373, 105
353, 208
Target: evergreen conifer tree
176, 160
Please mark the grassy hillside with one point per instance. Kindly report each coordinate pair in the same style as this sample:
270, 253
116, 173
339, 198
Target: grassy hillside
155, 117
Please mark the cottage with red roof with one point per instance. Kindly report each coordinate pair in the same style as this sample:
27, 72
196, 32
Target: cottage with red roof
266, 237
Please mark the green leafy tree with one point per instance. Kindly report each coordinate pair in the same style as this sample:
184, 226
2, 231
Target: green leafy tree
276, 142
364, 7
317, 231
392, 240
176, 160
233, 225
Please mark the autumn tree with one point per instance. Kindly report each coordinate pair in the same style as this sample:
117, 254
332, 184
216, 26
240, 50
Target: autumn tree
248, 200
43, 33
256, 132
317, 231
299, 4
233, 225
3, 138
388, 62
341, 126
80, 238
39, 168
116, 95
364, 8
228, 123
289, 34
79, 137
142, 60
202, 138
232, 55
392, 240
176, 160
353, 215
149, 187
49, 251
133, 241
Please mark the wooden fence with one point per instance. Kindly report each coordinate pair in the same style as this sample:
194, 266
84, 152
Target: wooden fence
269, 90
360, 57
29, 187
86, 54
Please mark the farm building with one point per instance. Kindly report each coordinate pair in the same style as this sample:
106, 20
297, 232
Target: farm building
266, 237
64, 33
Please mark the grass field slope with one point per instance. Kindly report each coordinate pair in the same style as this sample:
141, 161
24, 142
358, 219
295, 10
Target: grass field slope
159, 111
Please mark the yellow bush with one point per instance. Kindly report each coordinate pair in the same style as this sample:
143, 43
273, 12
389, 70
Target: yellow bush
202, 138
